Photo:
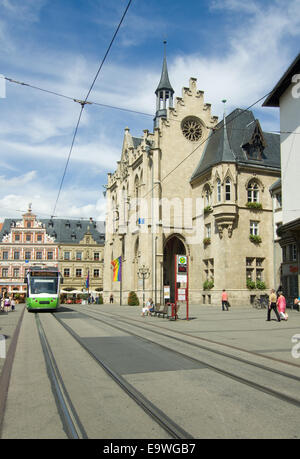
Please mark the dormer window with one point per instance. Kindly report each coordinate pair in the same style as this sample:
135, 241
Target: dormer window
78, 224
50, 223
73, 236
68, 225
254, 148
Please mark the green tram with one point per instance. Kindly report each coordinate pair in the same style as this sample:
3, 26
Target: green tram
43, 286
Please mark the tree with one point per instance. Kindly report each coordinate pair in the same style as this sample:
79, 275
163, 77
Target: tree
133, 299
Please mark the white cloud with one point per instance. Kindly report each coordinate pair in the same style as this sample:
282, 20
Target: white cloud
256, 56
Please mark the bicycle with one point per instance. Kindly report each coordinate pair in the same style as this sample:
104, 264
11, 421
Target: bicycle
261, 303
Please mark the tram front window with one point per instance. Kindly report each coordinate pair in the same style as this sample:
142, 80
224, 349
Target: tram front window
48, 286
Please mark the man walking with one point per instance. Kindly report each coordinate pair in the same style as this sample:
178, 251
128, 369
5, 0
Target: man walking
272, 305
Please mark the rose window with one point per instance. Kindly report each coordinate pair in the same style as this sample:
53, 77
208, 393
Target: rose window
192, 129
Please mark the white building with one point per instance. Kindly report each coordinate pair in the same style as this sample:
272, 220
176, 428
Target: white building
286, 96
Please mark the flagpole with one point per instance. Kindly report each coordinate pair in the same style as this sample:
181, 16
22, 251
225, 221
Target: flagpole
121, 282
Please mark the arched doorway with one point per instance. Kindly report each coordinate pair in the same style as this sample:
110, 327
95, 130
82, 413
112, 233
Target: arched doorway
173, 246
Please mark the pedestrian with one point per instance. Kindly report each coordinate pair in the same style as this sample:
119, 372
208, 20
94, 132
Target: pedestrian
297, 303
273, 305
2, 304
150, 306
13, 304
281, 306
225, 303
145, 310
6, 304
111, 298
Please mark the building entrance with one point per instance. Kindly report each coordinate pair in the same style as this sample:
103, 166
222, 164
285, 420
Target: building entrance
173, 246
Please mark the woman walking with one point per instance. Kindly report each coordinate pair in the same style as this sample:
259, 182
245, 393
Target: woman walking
281, 306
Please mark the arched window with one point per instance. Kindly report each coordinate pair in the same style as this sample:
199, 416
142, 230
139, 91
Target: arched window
253, 192
219, 190
207, 196
228, 189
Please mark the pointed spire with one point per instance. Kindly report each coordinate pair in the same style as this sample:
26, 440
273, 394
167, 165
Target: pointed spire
164, 79
228, 154
164, 92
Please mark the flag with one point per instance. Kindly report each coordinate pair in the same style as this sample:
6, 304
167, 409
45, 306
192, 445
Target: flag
87, 281
117, 267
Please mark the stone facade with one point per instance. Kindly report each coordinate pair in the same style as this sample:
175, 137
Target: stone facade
24, 242
82, 260
195, 187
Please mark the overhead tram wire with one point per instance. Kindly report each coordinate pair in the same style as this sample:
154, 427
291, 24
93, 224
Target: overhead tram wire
75, 99
84, 102
184, 159
179, 164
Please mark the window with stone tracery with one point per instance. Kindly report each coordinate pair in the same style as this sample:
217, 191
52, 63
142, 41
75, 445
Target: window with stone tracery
192, 128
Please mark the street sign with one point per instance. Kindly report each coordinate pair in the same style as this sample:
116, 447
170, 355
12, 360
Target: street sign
182, 281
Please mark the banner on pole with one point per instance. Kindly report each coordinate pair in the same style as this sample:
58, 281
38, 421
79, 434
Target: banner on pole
117, 267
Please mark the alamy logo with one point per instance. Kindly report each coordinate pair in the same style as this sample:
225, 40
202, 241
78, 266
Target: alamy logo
2, 87
296, 347
296, 87
2, 347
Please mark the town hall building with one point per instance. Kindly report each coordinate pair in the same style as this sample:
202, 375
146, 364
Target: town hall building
198, 187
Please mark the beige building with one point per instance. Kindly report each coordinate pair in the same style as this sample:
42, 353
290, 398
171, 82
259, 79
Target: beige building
80, 261
193, 187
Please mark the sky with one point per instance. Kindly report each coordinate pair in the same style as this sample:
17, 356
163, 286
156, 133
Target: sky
237, 50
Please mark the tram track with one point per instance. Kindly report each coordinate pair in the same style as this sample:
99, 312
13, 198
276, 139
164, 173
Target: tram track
262, 388
70, 418
209, 341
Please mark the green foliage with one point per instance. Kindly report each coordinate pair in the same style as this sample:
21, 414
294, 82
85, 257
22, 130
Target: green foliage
100, 299
133, 299
250, 284
254, 205
208, 284
206, 241
255, 238
260, 285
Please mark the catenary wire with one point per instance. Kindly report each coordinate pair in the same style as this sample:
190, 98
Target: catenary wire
176, 167
114, 107
83, 103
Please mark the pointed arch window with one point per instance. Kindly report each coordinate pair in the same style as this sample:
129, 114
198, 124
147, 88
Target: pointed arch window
253, 192
228, 189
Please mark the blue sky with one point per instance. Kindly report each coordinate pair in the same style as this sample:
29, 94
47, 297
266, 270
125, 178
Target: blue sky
236, 49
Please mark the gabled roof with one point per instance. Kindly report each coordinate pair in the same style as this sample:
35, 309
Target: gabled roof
226, 145
282, 85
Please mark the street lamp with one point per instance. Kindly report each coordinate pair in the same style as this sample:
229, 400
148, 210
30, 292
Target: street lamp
144, 273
